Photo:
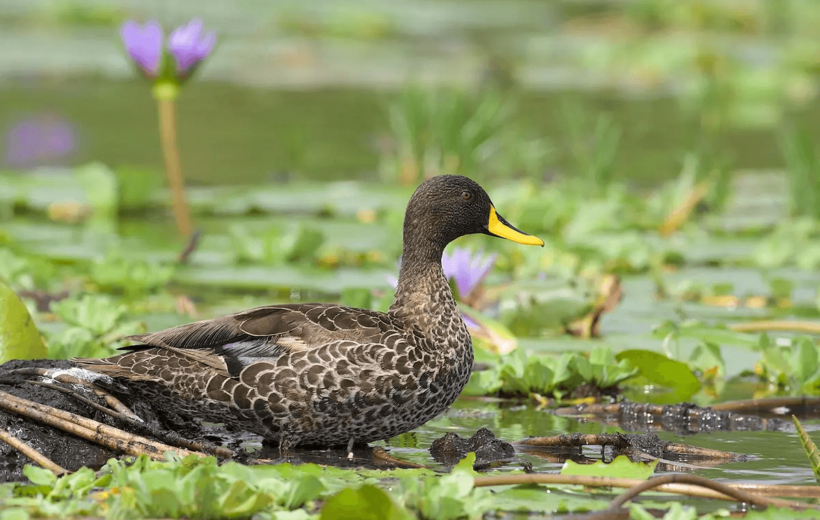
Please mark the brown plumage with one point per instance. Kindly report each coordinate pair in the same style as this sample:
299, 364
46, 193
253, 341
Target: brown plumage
322, 373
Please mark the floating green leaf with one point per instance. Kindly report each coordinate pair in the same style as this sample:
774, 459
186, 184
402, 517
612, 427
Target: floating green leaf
621, 467
19, 337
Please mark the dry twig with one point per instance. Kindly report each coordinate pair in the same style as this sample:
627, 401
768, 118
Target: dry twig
30, 452
123, 413
110, 400
108, 436
80, 398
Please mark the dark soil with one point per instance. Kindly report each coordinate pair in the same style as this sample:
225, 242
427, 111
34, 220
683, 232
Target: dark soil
452, 448
68, 451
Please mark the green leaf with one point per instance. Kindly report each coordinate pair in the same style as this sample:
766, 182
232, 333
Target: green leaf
805, 360
485, 382
665, 372
366, 503
707, 356
621, 467
302, 243
40, 476
305, 488
19, 337
465, 465
14, 514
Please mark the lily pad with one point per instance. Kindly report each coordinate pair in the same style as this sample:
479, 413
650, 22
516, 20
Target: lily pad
19, 338
621, 467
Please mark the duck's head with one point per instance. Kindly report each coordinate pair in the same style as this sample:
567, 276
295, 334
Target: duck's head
446, 207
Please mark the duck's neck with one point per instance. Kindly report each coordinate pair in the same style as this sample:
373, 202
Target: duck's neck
423, 296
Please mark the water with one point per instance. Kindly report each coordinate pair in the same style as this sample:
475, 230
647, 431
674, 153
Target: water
238, 134
773, 457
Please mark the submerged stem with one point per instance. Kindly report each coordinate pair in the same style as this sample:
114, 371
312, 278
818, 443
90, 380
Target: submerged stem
170, 151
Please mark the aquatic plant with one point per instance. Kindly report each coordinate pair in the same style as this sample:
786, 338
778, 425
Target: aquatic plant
522, 374
168, 67
592, 147
803, 171
448, 131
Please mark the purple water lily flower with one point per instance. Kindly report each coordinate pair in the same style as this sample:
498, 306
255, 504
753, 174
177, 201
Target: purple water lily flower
144, 45
189, 46
467, 269
39, 139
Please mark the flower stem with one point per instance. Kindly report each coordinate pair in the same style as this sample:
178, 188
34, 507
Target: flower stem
170, 151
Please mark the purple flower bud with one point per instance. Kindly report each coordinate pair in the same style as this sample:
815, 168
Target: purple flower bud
189, 46
41, 139
144, 45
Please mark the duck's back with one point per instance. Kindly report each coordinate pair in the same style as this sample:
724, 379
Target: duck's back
299, 374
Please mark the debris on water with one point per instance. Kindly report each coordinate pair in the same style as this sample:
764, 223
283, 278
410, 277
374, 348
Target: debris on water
683, 419
635, 446
452, 448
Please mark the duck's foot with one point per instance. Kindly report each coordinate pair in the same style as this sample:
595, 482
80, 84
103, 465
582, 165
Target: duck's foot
380, 455
350, 444
286, 445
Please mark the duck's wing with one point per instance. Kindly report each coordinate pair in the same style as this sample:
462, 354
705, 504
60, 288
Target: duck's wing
265, 333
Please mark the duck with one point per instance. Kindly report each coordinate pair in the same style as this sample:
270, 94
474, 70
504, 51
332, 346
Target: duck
322, 374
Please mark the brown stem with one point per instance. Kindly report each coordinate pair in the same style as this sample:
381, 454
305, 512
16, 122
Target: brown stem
30, 452
767, 405
805, 327
170, 151
679, 485
735, 494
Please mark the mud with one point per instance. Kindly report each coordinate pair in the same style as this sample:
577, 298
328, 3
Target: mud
68, 451
452, 448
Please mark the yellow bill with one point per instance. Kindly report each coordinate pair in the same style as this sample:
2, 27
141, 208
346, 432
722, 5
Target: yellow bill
499, 227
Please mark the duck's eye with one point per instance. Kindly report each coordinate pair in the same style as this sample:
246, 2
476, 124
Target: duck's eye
466, 195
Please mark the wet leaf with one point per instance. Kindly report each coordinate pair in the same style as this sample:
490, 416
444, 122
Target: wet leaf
366, 503
659, 370
621, 467
19, 337
40, 476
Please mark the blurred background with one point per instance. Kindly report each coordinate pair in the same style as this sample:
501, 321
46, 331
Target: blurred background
664, 149
305, 90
